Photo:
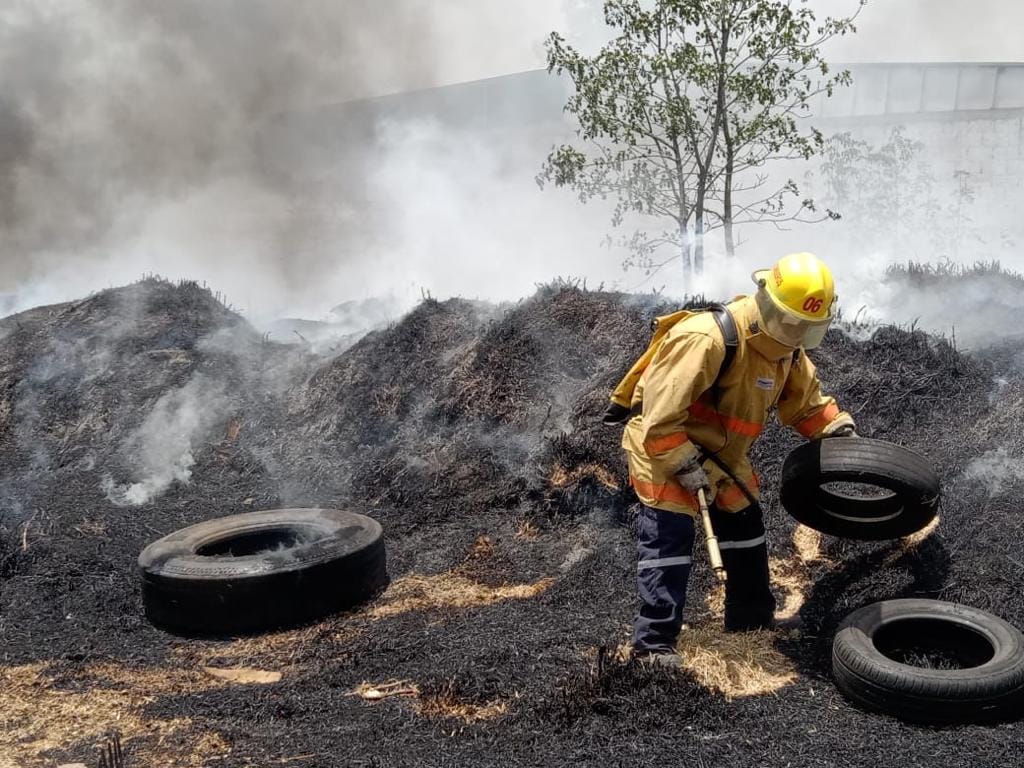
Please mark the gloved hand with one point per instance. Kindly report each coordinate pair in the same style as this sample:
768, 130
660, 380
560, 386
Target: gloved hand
847, 430
692, 476
615, 414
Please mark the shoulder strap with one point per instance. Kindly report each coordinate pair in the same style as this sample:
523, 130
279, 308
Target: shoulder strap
730, 334
623, 393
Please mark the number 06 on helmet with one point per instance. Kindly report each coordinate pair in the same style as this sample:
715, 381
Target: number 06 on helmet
796, 298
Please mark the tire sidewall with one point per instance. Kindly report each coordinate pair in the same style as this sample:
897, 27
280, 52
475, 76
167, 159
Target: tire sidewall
196, 595
870, 678
818, 462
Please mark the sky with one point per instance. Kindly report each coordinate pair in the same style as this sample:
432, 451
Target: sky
888, 30
932, 30
129, 145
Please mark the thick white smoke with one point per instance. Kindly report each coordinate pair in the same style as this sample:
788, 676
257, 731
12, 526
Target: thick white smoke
133, 139
162, 449
129, 136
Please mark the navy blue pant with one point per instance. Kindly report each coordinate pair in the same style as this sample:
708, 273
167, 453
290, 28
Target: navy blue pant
664, 552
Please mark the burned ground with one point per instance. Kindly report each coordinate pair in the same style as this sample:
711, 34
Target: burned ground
471, 433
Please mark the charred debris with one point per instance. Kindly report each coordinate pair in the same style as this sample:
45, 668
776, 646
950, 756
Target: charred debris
472, 433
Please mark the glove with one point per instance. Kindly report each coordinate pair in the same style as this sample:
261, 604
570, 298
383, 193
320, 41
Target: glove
615, 414
841, 427
847, 430
692, 476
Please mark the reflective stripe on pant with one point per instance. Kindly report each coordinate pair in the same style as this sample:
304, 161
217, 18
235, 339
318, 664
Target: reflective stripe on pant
749, 603
664, 548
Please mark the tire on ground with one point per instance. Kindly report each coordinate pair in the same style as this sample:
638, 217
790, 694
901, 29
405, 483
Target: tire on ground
872, 643
261, 570
909, 486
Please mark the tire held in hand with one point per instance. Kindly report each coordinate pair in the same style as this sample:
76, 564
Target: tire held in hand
906, 488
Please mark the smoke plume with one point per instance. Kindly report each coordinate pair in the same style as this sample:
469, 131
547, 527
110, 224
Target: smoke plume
161, 450
129, 134
194, 140
996, 469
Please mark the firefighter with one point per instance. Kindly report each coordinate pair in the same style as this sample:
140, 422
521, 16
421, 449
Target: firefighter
699, 405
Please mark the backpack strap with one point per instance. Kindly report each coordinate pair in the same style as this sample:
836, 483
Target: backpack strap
730, 334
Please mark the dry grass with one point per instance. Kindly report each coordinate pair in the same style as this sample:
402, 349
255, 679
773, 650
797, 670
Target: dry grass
913, 541
244, 675
37, 716
736, 664
483, 549
561, 477
40, 711
808, 545
448, 590
450, 706
444, 704
790, 579
275, 649
92, 527
747, 663
527, 529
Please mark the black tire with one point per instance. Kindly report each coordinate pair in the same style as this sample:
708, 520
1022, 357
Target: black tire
989, 686
911, 488
261, 570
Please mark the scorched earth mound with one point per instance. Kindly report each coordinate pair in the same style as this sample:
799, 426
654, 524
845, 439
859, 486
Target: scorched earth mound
472, 434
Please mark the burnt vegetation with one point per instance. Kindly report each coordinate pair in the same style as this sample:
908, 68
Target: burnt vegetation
472, 433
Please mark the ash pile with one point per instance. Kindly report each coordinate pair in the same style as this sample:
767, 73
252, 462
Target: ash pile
471, 432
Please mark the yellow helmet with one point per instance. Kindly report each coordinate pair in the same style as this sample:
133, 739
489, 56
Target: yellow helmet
796, 299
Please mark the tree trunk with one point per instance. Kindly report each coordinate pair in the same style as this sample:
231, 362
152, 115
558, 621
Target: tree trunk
684, 252
720, 117
730, 165
698, 236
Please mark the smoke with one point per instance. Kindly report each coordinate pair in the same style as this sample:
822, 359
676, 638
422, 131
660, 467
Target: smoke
924, 30
197, 140
996, 469
129, 134
481, 210
161, 449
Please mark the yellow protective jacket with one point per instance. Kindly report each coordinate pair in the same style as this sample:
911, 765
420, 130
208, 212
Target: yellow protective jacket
683, 412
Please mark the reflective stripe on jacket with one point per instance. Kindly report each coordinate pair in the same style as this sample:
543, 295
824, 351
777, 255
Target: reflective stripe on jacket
683, 411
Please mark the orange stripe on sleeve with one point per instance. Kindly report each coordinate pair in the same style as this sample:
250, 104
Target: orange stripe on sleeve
818, 421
